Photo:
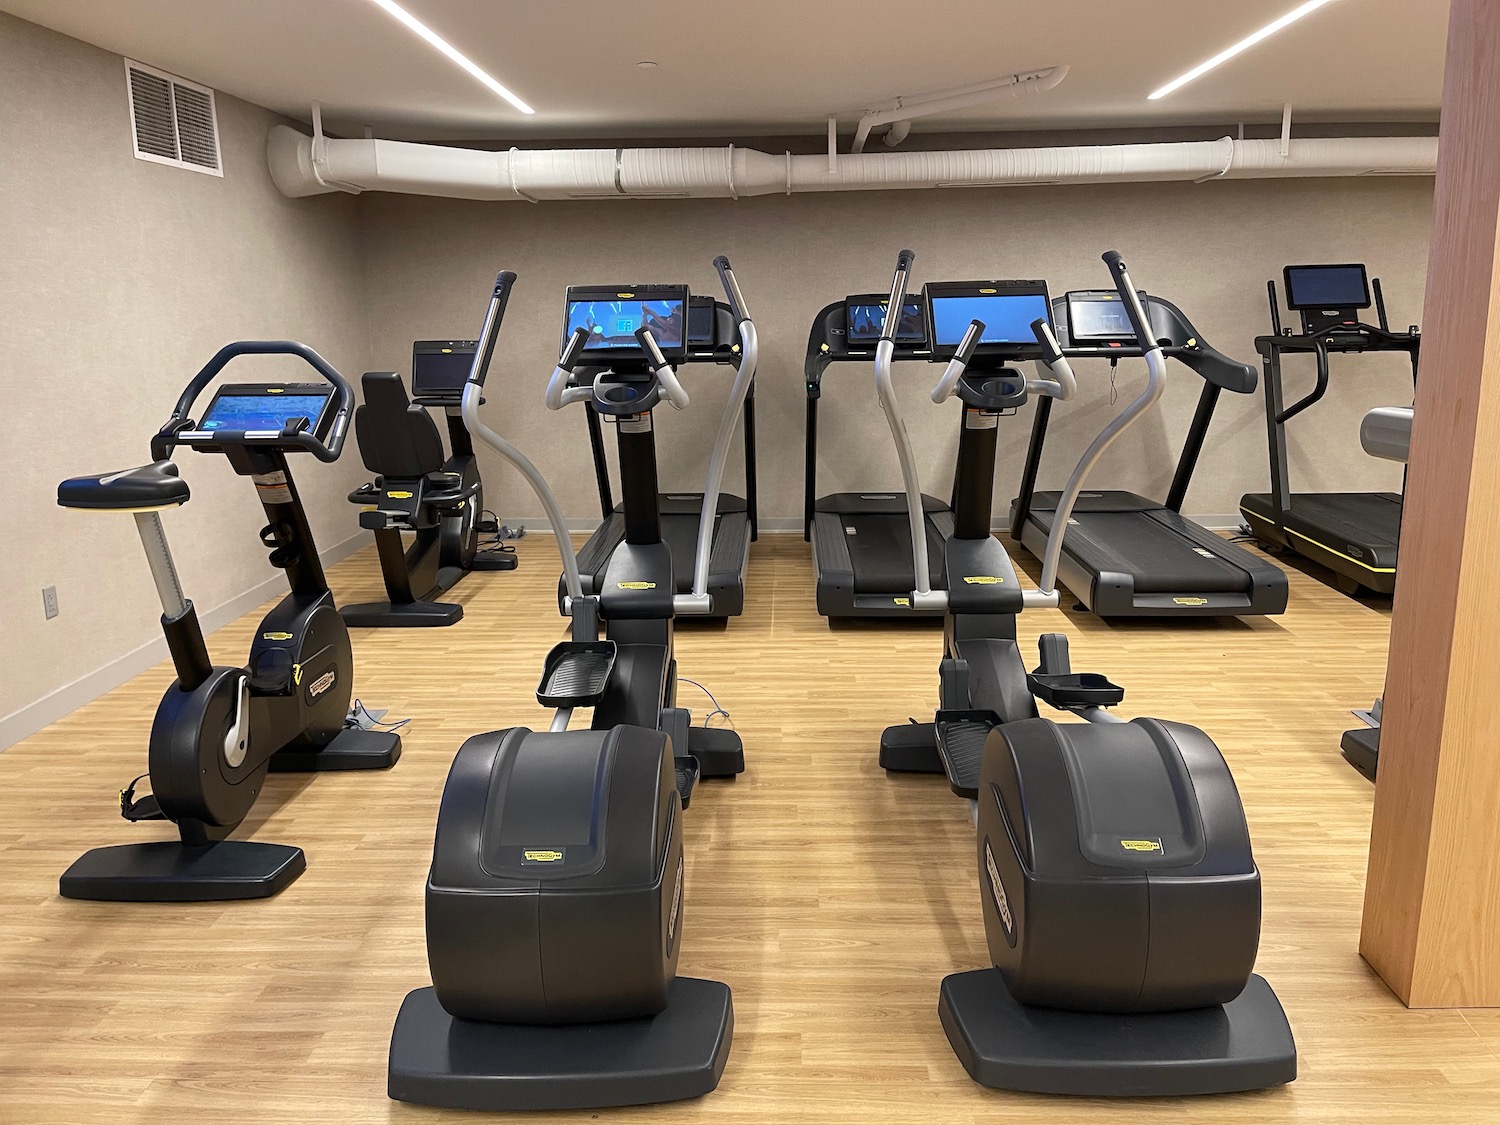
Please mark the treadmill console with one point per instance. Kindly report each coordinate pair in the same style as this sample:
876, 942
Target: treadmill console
1097, 319
864, 320
439, 370
1006, 308
1328, 297
613, 313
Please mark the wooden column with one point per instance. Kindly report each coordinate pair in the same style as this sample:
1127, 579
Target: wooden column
1432, 900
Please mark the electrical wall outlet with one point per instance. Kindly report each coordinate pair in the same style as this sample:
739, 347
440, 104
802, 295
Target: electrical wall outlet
49, 601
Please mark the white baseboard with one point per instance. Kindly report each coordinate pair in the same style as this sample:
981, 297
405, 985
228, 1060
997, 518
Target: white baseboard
68, 698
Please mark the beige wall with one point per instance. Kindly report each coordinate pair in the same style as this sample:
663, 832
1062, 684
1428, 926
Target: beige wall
1210, 248
118, 280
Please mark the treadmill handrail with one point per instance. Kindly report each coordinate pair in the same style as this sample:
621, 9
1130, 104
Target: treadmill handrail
1156, 369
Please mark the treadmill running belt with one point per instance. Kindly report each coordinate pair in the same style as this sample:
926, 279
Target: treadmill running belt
680, 533
880, 550
1372, 518
1160, 560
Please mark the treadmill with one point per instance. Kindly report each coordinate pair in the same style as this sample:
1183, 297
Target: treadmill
713, 337
1386, 433
1126, 555
1353, 534
861, 541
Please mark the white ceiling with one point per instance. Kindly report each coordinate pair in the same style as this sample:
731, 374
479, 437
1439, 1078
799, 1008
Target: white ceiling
774, 66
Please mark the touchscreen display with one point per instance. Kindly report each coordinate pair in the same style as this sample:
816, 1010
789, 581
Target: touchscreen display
864, 321
1006, 317
702, 322
1100, 316
236, 412
441, 370
1327, 287
612, 324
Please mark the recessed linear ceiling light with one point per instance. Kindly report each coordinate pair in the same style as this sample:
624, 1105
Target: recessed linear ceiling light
451, 51
1243, 45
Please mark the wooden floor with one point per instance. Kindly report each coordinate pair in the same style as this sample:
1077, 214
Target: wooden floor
831, 897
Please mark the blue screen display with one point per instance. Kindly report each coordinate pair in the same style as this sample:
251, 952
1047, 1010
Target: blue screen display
261, 412
1007, 318
612, 325
1333, 287
865, 322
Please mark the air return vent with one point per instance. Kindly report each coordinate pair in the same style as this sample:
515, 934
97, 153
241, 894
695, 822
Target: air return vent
172, 121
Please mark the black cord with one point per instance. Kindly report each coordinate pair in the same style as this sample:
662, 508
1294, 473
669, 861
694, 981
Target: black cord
717, 709
358, 711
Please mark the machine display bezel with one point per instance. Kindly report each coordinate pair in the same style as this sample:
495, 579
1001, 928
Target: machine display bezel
936, 292
1081, 297
318, 425
672, 351
423, 389
910, 331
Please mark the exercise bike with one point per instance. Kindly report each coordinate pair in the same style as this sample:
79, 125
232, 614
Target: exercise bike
555, 898
1121, 901
219, 730
438, 502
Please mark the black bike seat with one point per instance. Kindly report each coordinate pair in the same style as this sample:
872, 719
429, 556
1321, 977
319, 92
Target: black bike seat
150, 486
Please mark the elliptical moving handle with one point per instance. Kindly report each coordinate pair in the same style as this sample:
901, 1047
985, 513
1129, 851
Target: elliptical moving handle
485, 350
904, 261
343, 399
1131, 299
731, 288
671, 389
960, 361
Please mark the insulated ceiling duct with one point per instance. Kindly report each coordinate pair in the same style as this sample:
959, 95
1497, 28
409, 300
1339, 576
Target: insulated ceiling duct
303, 165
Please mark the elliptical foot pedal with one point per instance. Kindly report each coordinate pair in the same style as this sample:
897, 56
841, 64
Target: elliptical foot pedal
168, 871
494, 560
686, 768
719, 751
576, 673
1074, 691
1243, 1045
678, 1053
961, 736
351, 749
910, 748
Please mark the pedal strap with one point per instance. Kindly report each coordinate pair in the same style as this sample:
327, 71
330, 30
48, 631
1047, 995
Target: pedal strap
146, 808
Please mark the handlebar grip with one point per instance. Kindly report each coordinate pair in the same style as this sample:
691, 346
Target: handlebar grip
905, 260
960, 361
1051, 349
573, 350
967, 346
897, 302
1131, 299
503, 282
649, 346
731, 288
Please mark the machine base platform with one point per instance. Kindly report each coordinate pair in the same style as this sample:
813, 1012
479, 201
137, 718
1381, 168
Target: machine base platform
679, 1053
1243, 1045
401, 615
494, 560
910, 748
1361, 749
720, 752
168, 871
351, 749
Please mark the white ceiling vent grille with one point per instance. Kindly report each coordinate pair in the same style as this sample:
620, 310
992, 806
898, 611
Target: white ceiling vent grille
172, 120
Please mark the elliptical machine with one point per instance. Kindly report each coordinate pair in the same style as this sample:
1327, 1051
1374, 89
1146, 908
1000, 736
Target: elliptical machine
1121, 901
555, 898
439, 502
219, 730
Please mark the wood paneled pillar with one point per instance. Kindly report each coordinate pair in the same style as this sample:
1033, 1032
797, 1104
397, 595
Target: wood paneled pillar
1432, 901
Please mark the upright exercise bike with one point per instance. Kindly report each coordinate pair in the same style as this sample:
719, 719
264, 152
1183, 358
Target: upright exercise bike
219, 730
438, 502
555, 898
1121, 901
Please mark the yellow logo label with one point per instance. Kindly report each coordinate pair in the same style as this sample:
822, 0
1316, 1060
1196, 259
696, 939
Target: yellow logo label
624, 294
988, 290
902, 601
275, 390
277, 636
541, 855
297, 674
1141, 845
1191, 601
446, 351
399, 495
637, 585
983, 580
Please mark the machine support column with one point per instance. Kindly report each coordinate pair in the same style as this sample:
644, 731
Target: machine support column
1430, 912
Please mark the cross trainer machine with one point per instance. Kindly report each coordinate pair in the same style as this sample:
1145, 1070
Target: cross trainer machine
219, 730
1385, 433
439, 502
711, 338
1121, 901
555, 898
1353, 534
